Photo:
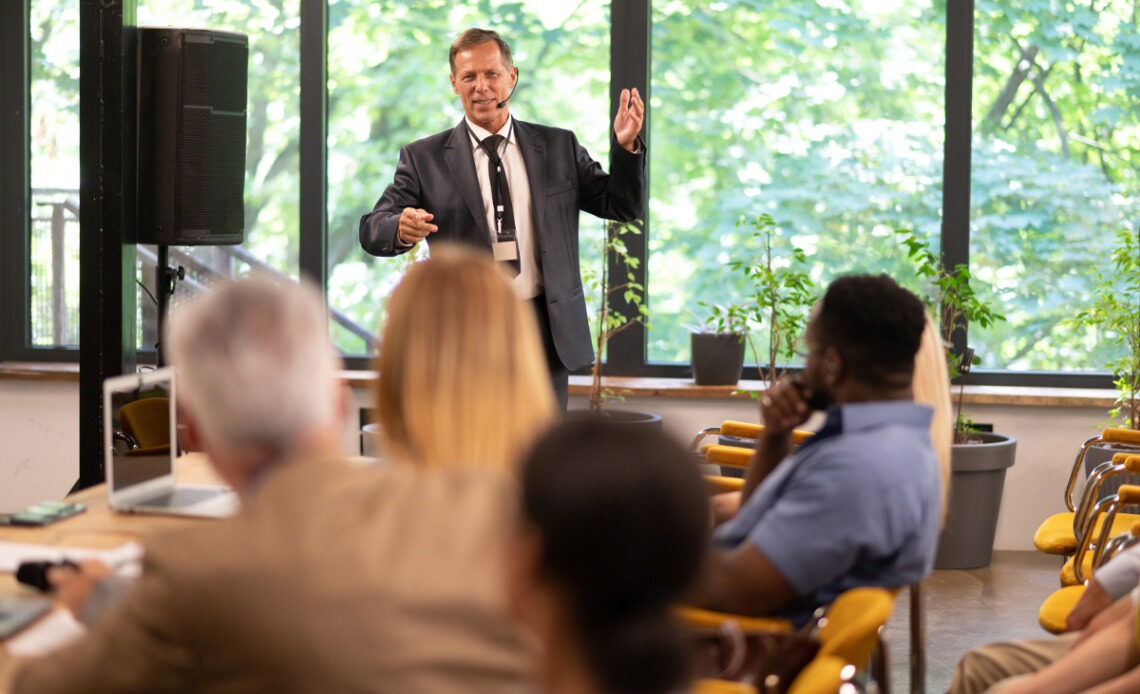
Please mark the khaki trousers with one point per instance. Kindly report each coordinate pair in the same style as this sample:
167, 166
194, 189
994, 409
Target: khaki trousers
987, 665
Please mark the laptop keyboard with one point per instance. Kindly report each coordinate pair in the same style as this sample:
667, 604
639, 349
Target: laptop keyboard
182, 498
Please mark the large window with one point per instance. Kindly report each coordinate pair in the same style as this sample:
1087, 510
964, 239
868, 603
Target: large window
388, 86
54, 169
1054, 174
826, 116
271, 201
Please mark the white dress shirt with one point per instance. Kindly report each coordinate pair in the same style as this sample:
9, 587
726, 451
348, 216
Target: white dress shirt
1121, 573
528, 283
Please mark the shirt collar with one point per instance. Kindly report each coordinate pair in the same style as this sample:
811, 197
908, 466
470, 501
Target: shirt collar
482, 133
859, 416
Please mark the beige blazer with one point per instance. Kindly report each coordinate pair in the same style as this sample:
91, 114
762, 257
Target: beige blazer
332, 579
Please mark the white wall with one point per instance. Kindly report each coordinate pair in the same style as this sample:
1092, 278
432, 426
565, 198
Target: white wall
39, 431
39, 441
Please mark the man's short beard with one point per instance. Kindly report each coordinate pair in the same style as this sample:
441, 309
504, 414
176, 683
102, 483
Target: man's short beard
820, 399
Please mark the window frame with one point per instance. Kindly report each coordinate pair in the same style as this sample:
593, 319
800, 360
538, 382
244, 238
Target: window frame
630, 57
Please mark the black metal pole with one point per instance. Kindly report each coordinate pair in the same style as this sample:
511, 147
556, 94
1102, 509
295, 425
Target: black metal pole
107, 298
314, 141
15, 199
629, 67
164, 289
956, 152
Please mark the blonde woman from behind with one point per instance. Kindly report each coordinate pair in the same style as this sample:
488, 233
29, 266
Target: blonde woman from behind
463, 379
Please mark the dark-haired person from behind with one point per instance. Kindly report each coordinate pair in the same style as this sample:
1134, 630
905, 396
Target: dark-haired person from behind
611, 531
858, 504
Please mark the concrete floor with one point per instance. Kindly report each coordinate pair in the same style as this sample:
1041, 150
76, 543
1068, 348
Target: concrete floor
968, 608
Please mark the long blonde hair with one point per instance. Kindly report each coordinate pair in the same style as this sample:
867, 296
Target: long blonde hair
463, 378
931, 386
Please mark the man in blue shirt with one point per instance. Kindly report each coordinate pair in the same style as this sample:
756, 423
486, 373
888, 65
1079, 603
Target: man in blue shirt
858, 503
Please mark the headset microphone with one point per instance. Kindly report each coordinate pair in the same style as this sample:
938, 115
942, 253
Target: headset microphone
503, 103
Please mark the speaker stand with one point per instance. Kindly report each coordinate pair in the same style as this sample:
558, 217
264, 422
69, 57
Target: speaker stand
165, 277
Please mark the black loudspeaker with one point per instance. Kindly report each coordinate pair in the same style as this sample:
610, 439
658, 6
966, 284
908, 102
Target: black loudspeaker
191, 136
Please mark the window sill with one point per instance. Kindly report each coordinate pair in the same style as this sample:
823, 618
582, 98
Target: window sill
665, 387
38, 371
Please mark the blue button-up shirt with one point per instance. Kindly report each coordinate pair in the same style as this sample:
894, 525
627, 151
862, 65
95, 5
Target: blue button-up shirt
857, 505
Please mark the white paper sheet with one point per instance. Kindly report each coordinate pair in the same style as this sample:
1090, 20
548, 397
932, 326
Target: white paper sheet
13, 553
51, 633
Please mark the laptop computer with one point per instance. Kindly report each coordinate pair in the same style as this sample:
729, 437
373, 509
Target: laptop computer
140, 441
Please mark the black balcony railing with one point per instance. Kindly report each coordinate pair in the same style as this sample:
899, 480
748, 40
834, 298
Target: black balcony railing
55, 274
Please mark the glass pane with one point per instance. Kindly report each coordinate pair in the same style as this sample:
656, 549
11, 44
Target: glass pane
272, 236
388, 86
54, 165
828, 116
1054, 176
271, 202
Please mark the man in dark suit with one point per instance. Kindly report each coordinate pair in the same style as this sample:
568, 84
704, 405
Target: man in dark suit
513, 188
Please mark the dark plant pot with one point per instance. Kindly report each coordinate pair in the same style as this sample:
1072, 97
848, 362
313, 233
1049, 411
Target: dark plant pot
623, 417
977, 476
718, 360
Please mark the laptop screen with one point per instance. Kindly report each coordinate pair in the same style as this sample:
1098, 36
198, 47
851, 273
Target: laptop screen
142, 428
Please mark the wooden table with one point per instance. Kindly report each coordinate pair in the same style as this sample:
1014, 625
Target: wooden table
99, 528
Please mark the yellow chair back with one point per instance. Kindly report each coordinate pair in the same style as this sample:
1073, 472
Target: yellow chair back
723, 687
853, 622
147, 421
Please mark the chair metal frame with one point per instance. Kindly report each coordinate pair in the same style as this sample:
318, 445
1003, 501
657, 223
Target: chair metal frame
1126, 495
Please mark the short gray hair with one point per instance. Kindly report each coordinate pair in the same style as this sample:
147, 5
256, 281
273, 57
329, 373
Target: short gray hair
477, 37
254, 361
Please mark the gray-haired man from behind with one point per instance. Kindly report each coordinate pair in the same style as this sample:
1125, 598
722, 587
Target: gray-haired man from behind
332, 577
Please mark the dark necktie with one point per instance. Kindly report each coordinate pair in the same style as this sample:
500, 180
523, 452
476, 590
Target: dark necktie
504, 213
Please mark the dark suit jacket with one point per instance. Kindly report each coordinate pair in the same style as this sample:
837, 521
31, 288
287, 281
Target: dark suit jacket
437, 174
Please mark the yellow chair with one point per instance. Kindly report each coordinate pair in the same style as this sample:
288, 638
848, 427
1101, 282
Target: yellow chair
147, 422
1058, 534
823, 675
1054, 612
1092, 552
850, 628
1096, 536
740, 430
700, 618
722, 687
145, 427
721, 485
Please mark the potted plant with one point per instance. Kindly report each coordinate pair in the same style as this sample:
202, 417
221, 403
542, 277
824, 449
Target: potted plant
1114, 319
717, 347
610, 321
978, 460
782, 294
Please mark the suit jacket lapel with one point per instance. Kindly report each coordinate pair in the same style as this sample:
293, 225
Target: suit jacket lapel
457, 154
534, 157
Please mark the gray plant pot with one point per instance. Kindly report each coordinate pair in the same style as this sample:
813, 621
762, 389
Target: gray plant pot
977, 476
718, 360
623, 417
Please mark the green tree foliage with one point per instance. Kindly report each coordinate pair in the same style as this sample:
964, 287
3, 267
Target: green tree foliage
1115, 318
832, 114
1056, 103
828, 115
829, 112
